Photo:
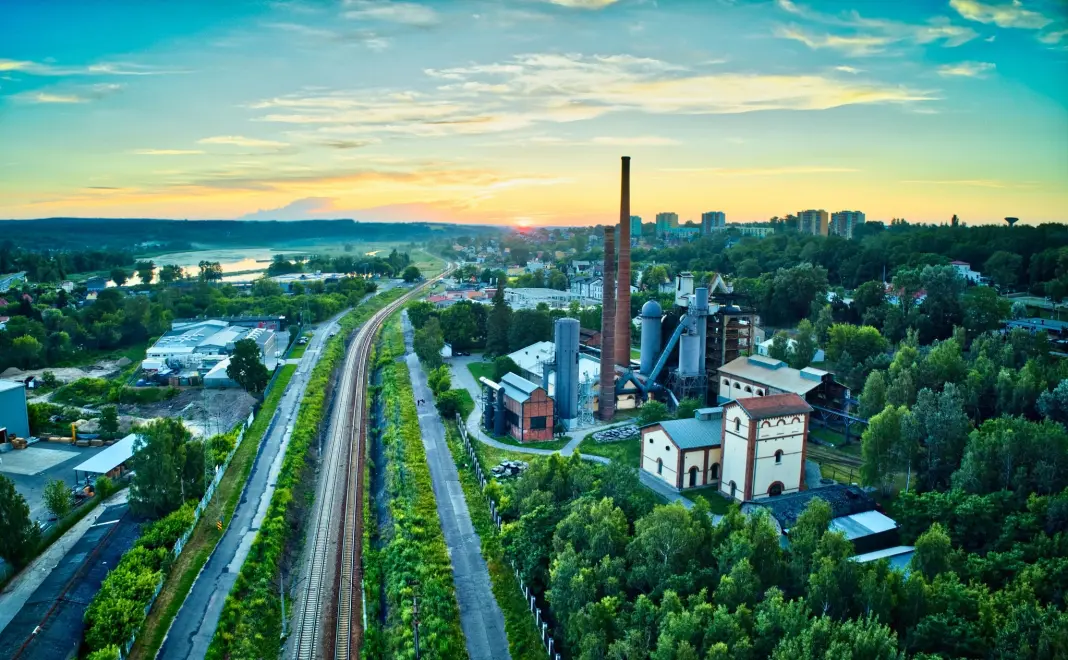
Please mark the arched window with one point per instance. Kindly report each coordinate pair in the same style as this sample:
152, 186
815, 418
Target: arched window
660, 466
780, 422
726, 382
748, 389
760, 392
775, 489
715, 471
734, 489
737, 423
667, 447
737, 386
693, 476
650, 441
778, 457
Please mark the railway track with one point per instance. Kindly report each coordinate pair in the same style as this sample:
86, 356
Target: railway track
334, 544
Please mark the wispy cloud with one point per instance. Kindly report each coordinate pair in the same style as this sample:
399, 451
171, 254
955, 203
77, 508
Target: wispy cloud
1012, 15
403, 13
848, 69
583, 4
868, 36
166, 152
635, 141
973, 183
240, 141
1053, 37
761, 171
71, 95
368, 38
967, 69
103, 69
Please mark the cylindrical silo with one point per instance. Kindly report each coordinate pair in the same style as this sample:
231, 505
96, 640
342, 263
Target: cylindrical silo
652, 316
700, 309
689, 354
567, 368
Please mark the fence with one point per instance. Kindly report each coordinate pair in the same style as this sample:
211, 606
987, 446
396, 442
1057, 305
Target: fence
209, 493
539, 620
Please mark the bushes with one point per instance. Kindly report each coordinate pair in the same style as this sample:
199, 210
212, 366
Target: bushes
118, 608
98, 391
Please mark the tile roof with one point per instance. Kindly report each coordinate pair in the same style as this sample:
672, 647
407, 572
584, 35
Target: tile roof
845, 500
695, 433
773, 405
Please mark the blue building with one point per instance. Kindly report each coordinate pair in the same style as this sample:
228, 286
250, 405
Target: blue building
13, 416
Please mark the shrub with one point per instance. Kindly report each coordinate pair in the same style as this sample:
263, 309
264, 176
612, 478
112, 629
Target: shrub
104, 486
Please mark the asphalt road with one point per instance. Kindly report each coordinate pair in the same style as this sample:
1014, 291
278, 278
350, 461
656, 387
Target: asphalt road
480, 616
191, 632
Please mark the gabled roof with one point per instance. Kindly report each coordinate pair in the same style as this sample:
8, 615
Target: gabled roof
773, 373
696, 432
774, 405
845, 500
517, 388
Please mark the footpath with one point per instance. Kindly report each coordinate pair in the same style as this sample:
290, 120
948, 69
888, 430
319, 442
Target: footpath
480, 616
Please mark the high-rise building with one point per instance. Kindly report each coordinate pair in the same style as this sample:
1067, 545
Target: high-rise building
712, 220
635, 228
813, 222
666, 221
844, 222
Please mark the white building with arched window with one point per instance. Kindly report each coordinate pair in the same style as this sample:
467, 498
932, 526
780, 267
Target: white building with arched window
748, 449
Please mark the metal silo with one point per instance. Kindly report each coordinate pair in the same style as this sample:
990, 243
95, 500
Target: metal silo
652, 317
567, 368
689, 354
700, 313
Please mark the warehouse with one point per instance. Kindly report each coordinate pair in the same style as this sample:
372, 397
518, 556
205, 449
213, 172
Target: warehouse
203, 344
14, 421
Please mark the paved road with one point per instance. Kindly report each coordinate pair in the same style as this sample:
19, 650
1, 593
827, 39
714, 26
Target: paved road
480, 616
192, 630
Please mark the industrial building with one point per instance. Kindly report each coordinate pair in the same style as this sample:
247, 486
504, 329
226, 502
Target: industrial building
747, 449
758, 376
201, 346
764, 348
518, 408
529, 298
14, 420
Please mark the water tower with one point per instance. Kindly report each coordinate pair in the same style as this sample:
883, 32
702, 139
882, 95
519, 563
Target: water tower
1012, 221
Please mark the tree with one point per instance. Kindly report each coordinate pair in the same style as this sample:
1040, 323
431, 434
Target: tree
168, 468
654, 276
504, 365
109, 422
428, 343
1005, 268
146, 270
411, 274
171, 273
118, 276
557, 280
868, 296
879, 447
210, 271
18, 542
984, 310
938, 424
664, 543
26, 352
451, 403
57, 497
498, 324
463, 325
780, 346
265, 287
652, 412
529, 326
246, 368
860, 342
934, 551
873, 397
49, 380
1012, 453
687, 408
420, 312
439, 380
1053, 404
804, 348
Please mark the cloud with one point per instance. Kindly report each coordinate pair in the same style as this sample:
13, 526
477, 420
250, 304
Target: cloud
1012, 15
403, 13
368, 38
967, 69
166, 152
103, 69
532, 89
239, 141
44, 97
75, 95
1054, 37
972, 183
761, 171
583, 4
848, 69
635, 141
868, 36
348, 144
301, 209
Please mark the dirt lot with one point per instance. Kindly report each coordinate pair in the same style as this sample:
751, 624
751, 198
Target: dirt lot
205, 411
102, 369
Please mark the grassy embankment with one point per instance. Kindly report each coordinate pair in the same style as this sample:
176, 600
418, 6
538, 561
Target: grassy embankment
250, 623
414, 560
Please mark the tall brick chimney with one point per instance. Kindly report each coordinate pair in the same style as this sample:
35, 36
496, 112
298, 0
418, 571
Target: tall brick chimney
623, 297
607, 400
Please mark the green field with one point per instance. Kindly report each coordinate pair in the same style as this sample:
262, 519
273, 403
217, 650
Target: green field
718, 503
481, 370
627, 452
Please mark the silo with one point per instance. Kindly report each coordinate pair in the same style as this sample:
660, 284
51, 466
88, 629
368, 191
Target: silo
689, 354
700, 312
567, 368
651, 321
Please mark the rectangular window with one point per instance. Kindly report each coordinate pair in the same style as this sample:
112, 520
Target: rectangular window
537, 423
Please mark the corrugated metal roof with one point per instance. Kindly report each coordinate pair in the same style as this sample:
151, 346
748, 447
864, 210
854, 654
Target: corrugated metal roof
6, 385
765, 371
110, 458
517, 388
695, 433
864, 524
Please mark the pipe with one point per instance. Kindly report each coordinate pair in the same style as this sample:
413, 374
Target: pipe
607, 400
622, 353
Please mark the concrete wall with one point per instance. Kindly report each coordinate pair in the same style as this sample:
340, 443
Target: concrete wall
13, 410
739, 388
735, 452
656, 445
785, 434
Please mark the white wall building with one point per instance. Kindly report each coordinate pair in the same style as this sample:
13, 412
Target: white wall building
964, 269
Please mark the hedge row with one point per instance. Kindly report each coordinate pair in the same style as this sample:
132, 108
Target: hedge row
415, 561
97, 391
250, 623
118, 609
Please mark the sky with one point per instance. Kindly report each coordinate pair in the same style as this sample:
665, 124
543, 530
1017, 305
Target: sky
517, 111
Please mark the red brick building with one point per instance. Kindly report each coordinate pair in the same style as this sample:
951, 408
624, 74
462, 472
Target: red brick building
528, 410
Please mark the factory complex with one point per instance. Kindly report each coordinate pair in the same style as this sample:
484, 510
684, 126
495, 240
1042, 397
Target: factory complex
198, 351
